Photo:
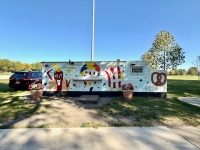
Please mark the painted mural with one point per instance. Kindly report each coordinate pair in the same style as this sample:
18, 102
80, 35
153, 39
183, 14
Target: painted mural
57, 82
114, 77
100, 76
90, 69
158, 79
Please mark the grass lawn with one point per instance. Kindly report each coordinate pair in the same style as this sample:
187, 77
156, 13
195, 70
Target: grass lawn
183, 77
183, 86
11, 106
155, 111
145, 111
5, 73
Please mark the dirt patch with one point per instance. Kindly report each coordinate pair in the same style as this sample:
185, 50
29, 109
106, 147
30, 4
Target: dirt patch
67, 112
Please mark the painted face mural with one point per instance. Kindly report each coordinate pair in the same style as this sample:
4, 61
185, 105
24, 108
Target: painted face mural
87, 70
90, 69
58, 75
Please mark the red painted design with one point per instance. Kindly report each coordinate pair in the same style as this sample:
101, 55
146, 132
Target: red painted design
97, 68
67, 83
114, 84
59, 78
85, 83
48, 73
112, 69
94, 82
74, 85
119, 72
119, 84
108, 75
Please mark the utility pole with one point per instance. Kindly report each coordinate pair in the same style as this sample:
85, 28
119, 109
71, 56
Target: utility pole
92, 42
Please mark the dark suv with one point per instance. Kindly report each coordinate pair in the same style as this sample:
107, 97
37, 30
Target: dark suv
22, 79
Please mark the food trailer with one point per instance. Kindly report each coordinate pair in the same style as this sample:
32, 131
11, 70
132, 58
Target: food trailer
103, 78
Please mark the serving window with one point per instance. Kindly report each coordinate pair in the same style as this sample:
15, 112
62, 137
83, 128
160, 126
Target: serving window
136, 69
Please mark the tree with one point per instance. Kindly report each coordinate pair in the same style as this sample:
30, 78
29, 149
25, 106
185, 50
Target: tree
18, 66
150, 59
165, 53
192, 71
196, 63
171, 72
12, 66
182, 72
36, 66
174, 71
5, 65
27, 67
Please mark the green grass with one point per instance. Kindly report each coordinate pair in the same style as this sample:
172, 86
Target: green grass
45, 126
185, 86
183, 77
152, 111
92, 124
7, 92
11, 105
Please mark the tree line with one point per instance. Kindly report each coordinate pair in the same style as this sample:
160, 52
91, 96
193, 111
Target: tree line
12, 66
191, 71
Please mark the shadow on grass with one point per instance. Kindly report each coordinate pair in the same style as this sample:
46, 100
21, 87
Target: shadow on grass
150, 111
15, 114
7, 93
12, 108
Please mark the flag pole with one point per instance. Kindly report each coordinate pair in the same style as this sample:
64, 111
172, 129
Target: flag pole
92, 42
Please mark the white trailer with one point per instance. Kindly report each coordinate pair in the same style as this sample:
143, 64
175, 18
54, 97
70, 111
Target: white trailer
103, 78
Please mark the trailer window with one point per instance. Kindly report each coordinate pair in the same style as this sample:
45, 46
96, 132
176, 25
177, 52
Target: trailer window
137, 69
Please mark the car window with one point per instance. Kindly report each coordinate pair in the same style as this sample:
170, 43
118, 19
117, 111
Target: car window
36, 75
20, 75
39, 74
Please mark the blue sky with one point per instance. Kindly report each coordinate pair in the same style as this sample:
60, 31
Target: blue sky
48, 30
